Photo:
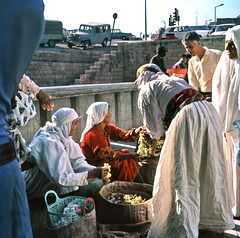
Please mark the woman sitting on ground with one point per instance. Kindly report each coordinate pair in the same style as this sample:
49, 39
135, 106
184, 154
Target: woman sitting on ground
59, 162
96, 146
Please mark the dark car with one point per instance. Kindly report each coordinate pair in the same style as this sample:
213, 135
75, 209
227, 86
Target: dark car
117, 34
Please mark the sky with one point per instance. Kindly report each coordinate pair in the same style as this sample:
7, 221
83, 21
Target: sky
131, 13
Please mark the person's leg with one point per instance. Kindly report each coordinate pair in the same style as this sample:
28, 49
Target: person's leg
14, 211
22, 24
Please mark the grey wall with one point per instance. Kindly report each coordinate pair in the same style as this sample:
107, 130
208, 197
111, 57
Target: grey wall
122, 98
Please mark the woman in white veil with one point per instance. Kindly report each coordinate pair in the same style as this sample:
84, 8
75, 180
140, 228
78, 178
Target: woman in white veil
59, 162
96, 145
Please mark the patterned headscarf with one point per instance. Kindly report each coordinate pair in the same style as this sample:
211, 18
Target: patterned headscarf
95, 115
146, 73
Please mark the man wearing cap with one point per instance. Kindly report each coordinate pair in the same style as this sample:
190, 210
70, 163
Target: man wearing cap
59, 162
158, 59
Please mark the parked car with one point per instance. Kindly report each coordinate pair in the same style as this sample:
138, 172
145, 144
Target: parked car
221, 29
202, 31
90, 34
176, 32
53, 33
118, 34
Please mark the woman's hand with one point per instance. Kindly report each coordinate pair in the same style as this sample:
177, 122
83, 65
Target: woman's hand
138, 130
45, 100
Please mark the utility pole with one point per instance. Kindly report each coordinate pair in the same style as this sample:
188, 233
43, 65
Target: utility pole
145, 19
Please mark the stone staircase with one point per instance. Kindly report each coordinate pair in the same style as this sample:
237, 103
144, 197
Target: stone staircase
108, 69
60, 68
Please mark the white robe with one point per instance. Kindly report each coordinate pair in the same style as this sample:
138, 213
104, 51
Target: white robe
225, 98
60, 164
190, 187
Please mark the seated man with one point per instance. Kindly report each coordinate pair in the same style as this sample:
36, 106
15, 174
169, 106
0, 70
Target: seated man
96, 146
59, 162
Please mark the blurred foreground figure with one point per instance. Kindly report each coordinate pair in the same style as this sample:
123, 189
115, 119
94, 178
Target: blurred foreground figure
190, 187
21, 30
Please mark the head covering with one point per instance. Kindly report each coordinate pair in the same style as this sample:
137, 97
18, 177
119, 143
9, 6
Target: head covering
63, 119
146, 73
233, 34
95, 115
61, 124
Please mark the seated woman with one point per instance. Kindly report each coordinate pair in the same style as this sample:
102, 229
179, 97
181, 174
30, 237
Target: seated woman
59, 162
96, 146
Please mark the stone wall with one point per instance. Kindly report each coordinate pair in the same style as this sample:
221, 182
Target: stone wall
60, 68
122, 98
71, 66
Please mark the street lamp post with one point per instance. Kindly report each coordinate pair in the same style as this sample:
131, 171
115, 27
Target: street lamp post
215, 17
145, 19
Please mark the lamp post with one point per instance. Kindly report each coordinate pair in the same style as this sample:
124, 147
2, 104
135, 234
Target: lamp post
145, 20
215, 19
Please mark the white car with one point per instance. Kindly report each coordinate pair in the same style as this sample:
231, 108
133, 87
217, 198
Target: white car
176, 32
221, 29
202, 31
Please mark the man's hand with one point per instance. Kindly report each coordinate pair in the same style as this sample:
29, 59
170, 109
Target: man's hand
146, 136
128, 156
99, 172
45, 100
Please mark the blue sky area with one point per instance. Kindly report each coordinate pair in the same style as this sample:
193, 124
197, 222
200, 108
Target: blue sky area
131, 13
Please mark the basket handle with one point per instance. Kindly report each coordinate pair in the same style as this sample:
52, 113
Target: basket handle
85, 203
50, 192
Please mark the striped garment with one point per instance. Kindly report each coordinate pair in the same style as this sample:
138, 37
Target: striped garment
180, 100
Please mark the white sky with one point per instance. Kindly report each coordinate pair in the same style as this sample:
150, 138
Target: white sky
131, 13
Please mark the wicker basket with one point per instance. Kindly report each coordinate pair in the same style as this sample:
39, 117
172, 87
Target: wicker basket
55, 211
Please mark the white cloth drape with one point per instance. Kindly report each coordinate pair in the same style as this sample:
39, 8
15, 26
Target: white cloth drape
226, 100
190, 187
60, 163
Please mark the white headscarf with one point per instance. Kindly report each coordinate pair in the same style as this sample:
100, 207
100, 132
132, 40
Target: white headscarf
147, 73
61, 124
233, 34
95, 115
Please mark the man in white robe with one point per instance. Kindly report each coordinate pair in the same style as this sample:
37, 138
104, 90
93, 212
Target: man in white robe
59, 162
190, 190
226, 101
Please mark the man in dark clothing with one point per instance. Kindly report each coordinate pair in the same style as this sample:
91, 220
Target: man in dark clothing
158, 59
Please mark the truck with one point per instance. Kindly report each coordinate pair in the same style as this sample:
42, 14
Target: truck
90, 34
53, 33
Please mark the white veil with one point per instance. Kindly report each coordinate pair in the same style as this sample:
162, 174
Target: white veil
95, 115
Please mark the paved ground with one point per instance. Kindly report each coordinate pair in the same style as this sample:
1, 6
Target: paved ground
63, 46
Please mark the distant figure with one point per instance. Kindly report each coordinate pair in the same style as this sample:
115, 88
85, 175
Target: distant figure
182, 62
158, 59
